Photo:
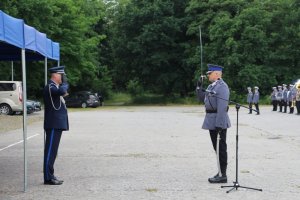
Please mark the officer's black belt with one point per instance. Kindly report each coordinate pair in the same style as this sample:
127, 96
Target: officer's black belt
211, 111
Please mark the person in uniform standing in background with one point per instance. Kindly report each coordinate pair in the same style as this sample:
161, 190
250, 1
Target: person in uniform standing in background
55, 120
297, 97
274, 98
290, 97
280, 98
256, 99
285, 98
216, 119
249, 99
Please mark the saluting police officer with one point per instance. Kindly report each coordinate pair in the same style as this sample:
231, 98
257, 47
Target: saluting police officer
250, 99
216, 118
55, 121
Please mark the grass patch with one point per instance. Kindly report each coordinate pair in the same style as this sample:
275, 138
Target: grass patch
118, 99
125, 99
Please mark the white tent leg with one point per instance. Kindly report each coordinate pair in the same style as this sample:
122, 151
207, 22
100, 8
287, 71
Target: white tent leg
24, 117
12, 70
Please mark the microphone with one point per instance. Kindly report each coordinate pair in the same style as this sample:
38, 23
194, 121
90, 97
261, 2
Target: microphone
209, 91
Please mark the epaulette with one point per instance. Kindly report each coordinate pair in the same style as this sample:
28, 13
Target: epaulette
220, 82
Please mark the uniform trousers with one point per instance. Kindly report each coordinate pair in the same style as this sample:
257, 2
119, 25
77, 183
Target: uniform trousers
222, 148
280, 105
298, 107
274, 103
51, 147
285, 106
257, 108
250, 106
291, 108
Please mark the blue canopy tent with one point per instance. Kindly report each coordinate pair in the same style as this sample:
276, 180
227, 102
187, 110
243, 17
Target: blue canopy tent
20, 42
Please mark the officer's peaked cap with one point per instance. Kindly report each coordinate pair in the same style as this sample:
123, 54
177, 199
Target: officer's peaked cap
58, 69
256, 87
212, 67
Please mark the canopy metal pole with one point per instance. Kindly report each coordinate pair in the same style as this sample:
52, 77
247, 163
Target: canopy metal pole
46, 63
24, 117
12, 70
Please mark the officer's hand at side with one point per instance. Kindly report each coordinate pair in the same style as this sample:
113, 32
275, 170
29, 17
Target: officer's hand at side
219, 129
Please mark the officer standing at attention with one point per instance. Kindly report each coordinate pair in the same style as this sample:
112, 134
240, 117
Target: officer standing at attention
216, 118
55, 120
274, 98
290, 96
249, 99
285, 98
256, 99
280, 97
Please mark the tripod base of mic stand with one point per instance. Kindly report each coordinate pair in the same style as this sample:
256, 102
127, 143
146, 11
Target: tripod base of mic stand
236, 185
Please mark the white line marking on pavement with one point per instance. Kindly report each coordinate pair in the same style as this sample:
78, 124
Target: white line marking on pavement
11, 145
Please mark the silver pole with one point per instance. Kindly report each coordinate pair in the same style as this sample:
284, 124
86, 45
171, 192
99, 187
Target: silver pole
46, 63
46, 60
24, 117
12, 70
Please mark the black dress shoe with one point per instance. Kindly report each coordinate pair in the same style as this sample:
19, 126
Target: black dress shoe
53, 182
60, 180
218, 179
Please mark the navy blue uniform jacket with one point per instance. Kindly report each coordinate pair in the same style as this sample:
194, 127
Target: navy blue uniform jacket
56, 115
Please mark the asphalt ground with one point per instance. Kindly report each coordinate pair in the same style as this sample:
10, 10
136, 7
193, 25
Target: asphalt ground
150, 153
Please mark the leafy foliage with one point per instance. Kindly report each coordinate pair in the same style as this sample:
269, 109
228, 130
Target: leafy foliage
152, 46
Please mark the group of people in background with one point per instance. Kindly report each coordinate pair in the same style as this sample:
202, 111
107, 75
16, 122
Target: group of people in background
286, 96
253, 98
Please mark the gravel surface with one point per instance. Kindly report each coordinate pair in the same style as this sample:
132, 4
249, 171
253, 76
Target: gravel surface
156, 153
12, 122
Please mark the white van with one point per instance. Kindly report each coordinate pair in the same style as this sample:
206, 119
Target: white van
10, 97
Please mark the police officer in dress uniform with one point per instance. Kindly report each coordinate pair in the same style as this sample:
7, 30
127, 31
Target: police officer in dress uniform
290, 96
256, 99
274, 98
280, 97
285, 98
297, 97
216, 118
55, 120
249, 99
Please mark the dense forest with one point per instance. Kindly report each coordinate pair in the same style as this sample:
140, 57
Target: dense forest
153, 46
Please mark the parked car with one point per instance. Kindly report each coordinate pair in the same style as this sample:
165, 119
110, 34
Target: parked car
36, 104
30, 107
10, 97
100, 98
82, 99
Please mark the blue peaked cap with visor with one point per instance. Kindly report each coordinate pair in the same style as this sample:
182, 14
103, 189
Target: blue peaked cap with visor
212, 67
58, 69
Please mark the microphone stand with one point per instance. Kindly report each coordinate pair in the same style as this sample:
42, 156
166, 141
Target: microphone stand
236, 184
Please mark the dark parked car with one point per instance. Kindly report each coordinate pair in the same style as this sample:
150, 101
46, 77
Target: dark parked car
36, 105
82, 99
30, 107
